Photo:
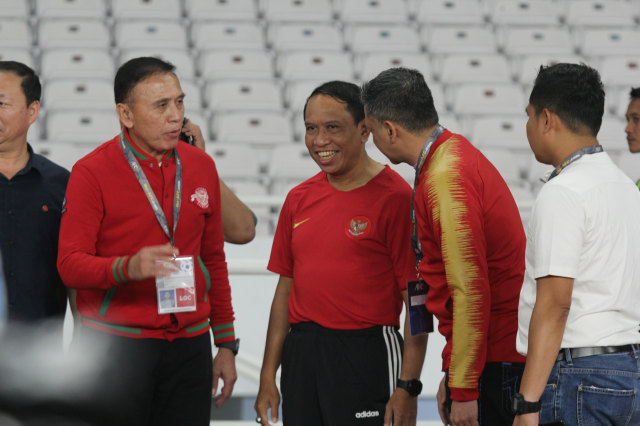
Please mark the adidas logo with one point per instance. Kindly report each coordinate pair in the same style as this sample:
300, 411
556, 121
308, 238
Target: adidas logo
365, 414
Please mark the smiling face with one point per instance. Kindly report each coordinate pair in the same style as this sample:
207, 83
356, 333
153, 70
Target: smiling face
334, 140
633, 125
15, 115
153, 113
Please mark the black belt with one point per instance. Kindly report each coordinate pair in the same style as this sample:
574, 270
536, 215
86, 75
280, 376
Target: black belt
596, 350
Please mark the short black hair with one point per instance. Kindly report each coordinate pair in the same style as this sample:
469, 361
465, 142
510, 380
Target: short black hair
30, 82
403, 96
134, 71
635, 93
572, 91
342, 91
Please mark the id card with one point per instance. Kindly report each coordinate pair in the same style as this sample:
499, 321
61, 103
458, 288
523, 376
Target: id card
177, 292
420, 319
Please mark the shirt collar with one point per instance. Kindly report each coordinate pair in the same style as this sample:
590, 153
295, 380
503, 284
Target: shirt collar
140, 154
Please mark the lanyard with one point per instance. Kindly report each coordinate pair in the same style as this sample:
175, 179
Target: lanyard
593, 149
146, 187
424, 153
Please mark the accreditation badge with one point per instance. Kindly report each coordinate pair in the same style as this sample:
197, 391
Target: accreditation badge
420, 318
177, 292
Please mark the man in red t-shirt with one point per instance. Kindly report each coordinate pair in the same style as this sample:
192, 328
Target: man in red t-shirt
342, 251
469, 238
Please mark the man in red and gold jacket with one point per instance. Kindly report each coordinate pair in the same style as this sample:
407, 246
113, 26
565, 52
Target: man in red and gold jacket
470, 244
132, 206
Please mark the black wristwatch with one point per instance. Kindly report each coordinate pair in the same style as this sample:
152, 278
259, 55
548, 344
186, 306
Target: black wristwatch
234, 345
520, 406
413, 386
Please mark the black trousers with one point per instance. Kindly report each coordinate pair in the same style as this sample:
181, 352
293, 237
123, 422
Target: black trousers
338, 377
148, 381
498, 383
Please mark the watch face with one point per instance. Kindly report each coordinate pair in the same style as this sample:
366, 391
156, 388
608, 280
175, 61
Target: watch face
414, 387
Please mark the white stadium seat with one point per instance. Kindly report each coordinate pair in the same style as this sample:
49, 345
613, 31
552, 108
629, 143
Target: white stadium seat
15, 34
315, 66
146, 9
233, 64
368, 65
608, 42
237, 162
296, 10
77, 63
507, 132
15, 9
228, 35
450, 12
65, 153
450, 40
66, 9
91, 128
305, 36
373, 11
612, 136
73, 33
507, 163
488, 99
244, 95
222, 10
290, 165
620, 71
150, 35
537, 41
19, 55
78, 94
255, 128
460, 69
525, 12
382, 38
600, 13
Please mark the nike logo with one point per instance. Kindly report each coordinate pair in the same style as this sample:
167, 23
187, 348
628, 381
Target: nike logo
295, 225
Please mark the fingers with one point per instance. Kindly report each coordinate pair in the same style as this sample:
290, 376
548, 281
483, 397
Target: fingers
388, 415
214, 383
152, 261
227, 389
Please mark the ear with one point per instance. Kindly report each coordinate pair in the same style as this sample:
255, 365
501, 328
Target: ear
33, 110
125, 115
364, 132
549, 120
391, 131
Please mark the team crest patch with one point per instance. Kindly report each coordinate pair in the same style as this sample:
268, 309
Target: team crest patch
200, 197
358, 227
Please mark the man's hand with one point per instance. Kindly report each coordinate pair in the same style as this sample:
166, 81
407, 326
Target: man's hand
402, 408
441, 398
224, 367
144, 264
464, 413
268, 399
530, 419
191, 129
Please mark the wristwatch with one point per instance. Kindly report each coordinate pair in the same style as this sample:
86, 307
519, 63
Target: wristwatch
520, 406
413, 386
234, 345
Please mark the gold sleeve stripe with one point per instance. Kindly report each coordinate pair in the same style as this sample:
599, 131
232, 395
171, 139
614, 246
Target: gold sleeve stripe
446, 196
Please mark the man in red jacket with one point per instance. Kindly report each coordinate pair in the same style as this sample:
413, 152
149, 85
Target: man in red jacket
469, 240
142, 219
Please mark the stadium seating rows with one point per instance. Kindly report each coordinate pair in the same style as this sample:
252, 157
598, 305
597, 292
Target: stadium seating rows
247, 67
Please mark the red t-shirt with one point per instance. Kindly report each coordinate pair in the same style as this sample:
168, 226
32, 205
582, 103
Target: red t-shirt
349, 253
474, 245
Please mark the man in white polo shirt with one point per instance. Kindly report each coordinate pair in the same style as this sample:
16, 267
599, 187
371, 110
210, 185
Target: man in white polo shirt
579, 313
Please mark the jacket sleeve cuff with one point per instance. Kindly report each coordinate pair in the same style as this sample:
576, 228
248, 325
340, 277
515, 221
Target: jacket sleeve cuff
464, 394
119, 269
223, 333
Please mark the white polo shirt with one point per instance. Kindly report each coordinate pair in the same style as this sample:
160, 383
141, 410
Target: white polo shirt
585, 225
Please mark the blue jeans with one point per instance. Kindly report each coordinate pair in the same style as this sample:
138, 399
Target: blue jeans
593, 390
